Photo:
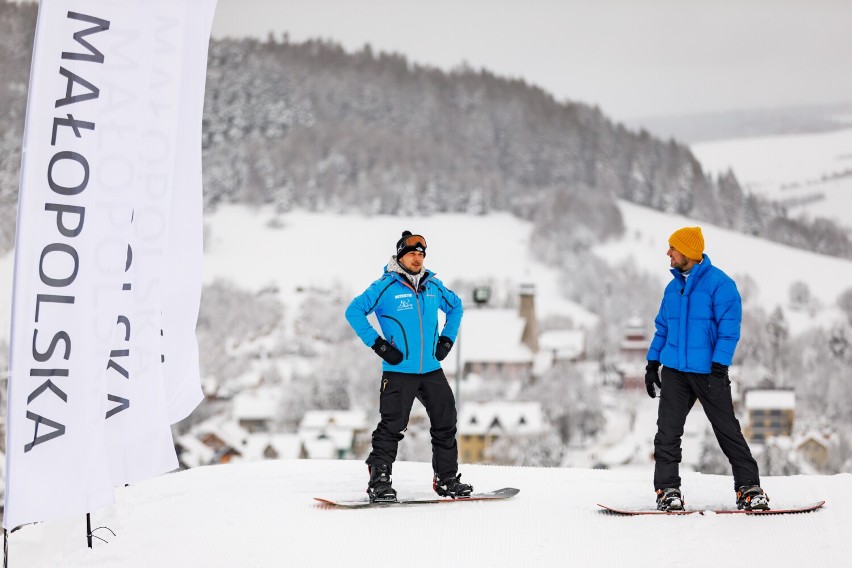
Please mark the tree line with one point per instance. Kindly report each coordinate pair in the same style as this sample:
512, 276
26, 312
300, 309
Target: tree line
309, 125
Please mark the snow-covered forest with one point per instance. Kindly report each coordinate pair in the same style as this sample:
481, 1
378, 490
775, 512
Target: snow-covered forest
310, 126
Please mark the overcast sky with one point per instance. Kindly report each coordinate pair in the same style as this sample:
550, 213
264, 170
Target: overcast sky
633, 58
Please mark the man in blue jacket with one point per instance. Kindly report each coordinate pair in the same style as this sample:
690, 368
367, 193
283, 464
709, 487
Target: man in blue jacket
406, 300
698, 327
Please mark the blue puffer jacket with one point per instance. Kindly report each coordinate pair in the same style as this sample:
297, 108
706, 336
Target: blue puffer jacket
408, 318
699, 320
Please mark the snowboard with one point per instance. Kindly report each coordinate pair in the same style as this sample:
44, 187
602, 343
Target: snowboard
631, 512
504, 493
802, 509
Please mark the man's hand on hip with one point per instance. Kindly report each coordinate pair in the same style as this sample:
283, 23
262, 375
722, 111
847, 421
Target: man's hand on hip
387, 351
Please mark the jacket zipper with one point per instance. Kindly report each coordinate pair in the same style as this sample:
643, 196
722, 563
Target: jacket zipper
422, 339
419, 318
404, 336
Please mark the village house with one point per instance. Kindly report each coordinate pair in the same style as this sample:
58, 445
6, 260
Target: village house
334, 434
192, 452
480, 424
255, 410
225, 438
771, 412
265, 446
815, 448
498, 342
632, 354
563, 345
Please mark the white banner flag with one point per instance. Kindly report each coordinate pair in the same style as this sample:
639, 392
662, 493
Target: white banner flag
155, 333
182, 269
88, 407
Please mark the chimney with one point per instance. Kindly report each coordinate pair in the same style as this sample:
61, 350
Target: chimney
527, 311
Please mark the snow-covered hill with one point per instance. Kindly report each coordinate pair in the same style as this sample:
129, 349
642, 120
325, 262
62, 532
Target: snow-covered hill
256, 248
810, 173
263, 515
773, 267
348, 251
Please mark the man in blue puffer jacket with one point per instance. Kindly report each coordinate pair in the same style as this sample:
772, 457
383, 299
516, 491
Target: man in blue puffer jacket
406, 300
698, 327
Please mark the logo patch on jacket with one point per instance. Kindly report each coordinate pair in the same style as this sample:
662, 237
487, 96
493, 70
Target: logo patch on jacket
404, 305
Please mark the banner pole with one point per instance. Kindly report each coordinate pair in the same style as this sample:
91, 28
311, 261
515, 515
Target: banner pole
5, 548
89, 529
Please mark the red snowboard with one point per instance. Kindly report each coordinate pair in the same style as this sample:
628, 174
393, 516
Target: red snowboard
803, 509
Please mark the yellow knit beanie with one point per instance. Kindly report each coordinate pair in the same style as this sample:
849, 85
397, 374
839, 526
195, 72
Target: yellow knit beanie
689, 242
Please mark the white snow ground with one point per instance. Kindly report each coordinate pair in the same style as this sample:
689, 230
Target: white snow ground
262, 514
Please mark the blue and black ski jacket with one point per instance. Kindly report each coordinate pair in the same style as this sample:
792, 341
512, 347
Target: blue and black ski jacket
408, 318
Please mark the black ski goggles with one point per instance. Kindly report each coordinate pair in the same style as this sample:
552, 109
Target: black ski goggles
413, 241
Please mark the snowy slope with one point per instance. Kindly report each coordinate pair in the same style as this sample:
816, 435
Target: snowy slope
810, 173
347, 252
774, 267
262, 514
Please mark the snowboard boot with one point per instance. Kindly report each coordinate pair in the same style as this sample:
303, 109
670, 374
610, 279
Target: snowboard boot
379, 488
669, 499
451, 486
752, 498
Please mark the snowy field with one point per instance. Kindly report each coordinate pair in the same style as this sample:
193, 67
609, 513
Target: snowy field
262, 514
810, 173
347, 252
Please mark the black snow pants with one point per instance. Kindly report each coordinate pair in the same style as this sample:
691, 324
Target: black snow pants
678, 395
398, 391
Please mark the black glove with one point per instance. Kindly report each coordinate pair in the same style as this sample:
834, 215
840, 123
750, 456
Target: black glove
718, 379
387, 351
652, 377
443, 347
719, 371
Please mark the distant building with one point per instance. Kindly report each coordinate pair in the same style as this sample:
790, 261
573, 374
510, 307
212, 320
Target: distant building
224, 438
498, 342
635, 341
490, 345
334, 434
771, 412
218, 441
480, 424
526, 310
263, 446
563, 345
192, 452
815, 448
256, 410
632, 353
